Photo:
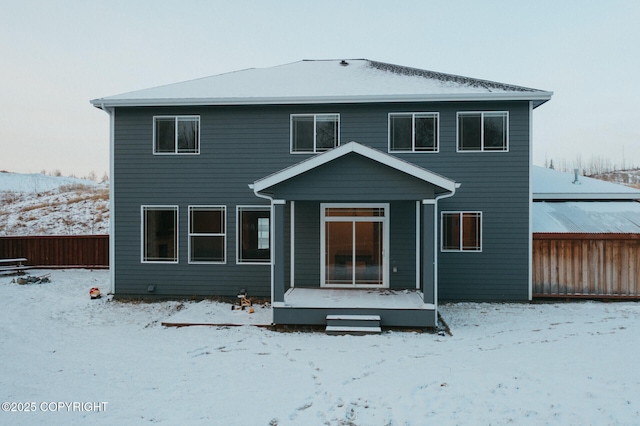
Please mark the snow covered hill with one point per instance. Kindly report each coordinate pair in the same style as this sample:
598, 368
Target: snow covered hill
37, 204
37, 183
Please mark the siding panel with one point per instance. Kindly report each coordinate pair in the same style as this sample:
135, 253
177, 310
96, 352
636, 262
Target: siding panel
239, 145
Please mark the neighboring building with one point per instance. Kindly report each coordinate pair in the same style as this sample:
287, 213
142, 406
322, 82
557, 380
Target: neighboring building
333, 187
586, 236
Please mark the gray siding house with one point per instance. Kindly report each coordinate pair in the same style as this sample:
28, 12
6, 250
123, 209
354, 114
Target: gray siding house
333, 187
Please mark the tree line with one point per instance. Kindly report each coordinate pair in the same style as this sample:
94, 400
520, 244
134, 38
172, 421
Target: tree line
595, 165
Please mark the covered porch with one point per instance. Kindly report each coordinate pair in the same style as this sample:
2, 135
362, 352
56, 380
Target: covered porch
354, 232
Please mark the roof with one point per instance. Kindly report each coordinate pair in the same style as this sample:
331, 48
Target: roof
325, 81
587, 217
446, 184
549, 184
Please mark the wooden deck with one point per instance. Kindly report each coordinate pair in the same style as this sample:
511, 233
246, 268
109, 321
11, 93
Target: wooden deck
395, 307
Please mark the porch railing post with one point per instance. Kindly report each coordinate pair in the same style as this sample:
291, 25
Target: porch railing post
428, 255
278, 251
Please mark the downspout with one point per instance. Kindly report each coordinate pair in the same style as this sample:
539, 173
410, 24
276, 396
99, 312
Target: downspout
530, 242
271, 237
112, 216
435, 245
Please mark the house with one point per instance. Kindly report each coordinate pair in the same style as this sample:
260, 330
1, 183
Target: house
586, 237
334, 187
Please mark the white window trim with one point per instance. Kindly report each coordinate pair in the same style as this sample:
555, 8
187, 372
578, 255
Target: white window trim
223, 234
413, 133
482, 113
386, 220
238, 230
159, 207
315, 117
176, 117
460, 250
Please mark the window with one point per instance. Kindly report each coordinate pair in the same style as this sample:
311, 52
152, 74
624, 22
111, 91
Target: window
483, 131
413, 132
254, 237
207, 237
314, 132
176, 135
461, 231
160, 234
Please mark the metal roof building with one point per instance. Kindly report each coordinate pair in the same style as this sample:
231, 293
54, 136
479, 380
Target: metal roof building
567, 203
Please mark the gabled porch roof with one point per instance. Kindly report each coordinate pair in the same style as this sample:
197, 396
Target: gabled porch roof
441, 183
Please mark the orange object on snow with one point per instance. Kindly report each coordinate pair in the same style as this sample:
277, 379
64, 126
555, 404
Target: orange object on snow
94, 292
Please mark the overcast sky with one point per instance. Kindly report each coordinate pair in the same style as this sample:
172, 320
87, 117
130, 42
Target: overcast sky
58, 55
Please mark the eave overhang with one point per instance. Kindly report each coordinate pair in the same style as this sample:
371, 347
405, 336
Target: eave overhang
538, 98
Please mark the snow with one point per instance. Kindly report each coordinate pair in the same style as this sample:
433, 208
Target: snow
341, 298
36, 204
37, 183
591, 217
319, 79
549, 184
529, 364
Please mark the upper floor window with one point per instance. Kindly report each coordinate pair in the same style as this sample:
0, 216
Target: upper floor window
483, 131
413, 132
160, 234
176, 134
461, 231
207, 236
314, 132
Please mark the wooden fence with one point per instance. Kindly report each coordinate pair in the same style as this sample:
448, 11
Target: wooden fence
586, 265
67, 251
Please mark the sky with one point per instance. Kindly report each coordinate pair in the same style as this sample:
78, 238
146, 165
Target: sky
58, 55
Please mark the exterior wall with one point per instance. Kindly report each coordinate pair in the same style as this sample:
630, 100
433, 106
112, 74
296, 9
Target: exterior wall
239, 145
402, 245
498, 185
307, 244
228, 138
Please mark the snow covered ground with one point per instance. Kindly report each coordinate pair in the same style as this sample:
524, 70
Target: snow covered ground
37, 204
531, 364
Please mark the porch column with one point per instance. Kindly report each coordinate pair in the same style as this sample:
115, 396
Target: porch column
277, 278
428, 254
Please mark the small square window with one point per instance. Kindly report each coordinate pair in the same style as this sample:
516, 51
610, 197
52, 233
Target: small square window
483, 131
413, 132
313, 133
176, 135
461, 231
207, 236
254, 236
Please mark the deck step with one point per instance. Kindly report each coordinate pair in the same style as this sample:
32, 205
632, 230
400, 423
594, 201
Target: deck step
337, 329
353, 324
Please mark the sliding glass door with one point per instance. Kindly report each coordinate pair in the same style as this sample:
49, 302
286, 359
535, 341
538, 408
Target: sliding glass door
354, 245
